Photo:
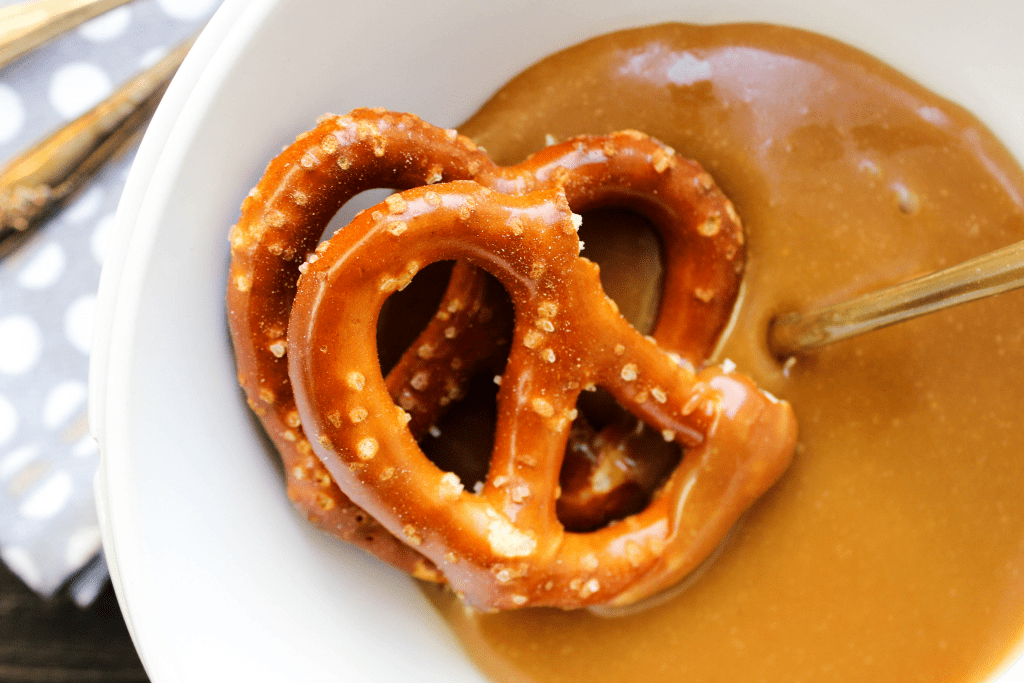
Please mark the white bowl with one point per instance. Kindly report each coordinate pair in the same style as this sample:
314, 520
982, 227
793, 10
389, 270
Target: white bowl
217, 576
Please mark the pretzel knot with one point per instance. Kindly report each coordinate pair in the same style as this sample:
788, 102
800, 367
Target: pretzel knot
505, 546
286, 213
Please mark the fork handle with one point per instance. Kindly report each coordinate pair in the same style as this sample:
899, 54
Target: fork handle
26, 26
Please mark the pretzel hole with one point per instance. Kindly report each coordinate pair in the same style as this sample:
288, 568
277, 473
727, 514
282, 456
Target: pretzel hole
349, 209
461, 438
613, 465
463, 441
464, 437
407, 312
628, 248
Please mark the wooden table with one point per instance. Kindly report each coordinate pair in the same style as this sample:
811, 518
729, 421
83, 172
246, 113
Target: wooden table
55, 641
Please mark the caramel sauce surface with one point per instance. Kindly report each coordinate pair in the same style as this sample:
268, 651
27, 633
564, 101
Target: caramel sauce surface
893, 548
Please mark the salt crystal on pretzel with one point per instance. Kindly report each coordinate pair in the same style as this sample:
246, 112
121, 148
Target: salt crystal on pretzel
739, 439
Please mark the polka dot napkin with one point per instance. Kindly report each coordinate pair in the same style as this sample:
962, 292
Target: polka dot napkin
48, 527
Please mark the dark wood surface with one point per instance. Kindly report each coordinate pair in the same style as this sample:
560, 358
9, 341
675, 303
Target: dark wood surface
55, 641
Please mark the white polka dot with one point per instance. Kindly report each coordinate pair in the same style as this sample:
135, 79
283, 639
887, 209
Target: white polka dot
49, 498
86, 206
16, 460
62, 402
21, 344
88, 585
8, 420
78, 322
187, 9
77, 87
22, 564
152, 56
107, 26
85, 446
12, 113
44, 269
101, 237
82, 545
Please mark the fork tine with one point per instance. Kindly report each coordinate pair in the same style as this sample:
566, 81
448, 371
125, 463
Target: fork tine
26, 26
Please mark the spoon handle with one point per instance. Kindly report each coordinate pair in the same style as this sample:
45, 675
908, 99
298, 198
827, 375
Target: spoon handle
26, 26
998, 271
40, 180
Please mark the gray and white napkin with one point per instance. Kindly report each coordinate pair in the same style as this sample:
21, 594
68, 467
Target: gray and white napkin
48, 526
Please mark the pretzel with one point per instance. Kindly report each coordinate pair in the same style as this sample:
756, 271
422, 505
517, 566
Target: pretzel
505, 547
285, 214
282, 220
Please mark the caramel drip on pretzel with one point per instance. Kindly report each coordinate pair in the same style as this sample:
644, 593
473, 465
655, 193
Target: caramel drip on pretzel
285, 214
505, 547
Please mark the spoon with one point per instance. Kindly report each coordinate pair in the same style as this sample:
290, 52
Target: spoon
40, 180
794, 334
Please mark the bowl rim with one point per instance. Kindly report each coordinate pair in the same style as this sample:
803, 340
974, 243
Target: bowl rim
158, 159
215, 50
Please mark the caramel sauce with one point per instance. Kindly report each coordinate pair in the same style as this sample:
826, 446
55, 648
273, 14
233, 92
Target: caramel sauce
893, 548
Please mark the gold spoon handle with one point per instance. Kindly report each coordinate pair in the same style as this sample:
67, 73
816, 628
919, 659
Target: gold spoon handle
41, 179
26, 26
993, 273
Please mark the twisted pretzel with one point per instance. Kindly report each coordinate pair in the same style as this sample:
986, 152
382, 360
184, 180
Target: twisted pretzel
284, 215
505, 547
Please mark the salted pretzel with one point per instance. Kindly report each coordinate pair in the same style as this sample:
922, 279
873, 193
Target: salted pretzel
282, 220
505, 547
285, 214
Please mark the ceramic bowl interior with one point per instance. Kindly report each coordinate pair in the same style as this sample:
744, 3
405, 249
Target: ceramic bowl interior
218, 576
